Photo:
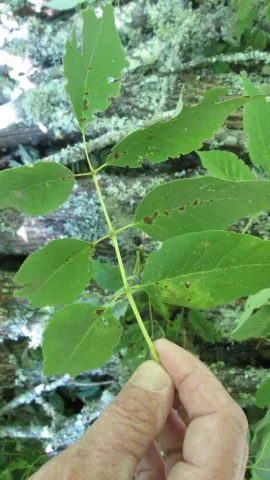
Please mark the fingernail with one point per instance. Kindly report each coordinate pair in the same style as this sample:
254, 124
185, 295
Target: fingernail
151, 376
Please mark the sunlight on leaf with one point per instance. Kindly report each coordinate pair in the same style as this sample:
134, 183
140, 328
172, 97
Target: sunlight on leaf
202, 270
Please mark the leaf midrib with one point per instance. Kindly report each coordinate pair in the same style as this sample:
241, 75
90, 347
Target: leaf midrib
3, 199
204, 272
55, 273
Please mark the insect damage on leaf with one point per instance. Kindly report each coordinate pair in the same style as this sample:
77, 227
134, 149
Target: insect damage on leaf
85, 77
199, 204
182, 134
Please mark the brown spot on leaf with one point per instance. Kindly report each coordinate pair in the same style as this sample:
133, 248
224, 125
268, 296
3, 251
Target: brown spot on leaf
195, 203
181, 209
155, 215
206, 244
166, 214
99, 312
187, 284
89, 68
83, 120
148, 220
86, 93
188, 203
116, 156
85, 105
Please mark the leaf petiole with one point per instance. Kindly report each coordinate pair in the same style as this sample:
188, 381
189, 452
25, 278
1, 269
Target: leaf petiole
113, 236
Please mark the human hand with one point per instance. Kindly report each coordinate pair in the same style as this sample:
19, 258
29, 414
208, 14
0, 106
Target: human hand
201, 430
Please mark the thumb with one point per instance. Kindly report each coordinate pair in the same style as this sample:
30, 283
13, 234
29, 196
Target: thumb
124, 432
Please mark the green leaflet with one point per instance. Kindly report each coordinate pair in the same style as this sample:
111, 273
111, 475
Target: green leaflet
247, 11
204, 327
180, 135
261, 467
225, 165
79, 337
107, 276
56, 274
263, 394
37, 189
258, 39
256, 126
88, 74
199, 204
202, 270
256, 326
253, 302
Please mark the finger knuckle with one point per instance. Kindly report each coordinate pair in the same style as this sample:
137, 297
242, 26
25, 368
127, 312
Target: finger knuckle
136, 415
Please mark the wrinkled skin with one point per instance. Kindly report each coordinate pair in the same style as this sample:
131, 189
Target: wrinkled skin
180, 405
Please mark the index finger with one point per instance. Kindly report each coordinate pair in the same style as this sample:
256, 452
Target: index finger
215, 440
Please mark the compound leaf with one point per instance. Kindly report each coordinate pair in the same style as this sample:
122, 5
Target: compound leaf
206, 269
256, 126
204, 327
56, 274
36, 189
225, 165
107, 276
79, 337
180, 135
199, 204
90, 74
256, 326
263, 394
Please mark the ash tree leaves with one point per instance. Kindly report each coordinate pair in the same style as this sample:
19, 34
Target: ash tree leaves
199, 204
225, 165
256, 126
256, 326
56, 274
180, 135
37, 189
263, 394
90, 74
203, 270
79, 337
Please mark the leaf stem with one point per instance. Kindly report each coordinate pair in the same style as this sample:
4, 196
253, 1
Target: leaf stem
113, 235
115, 231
